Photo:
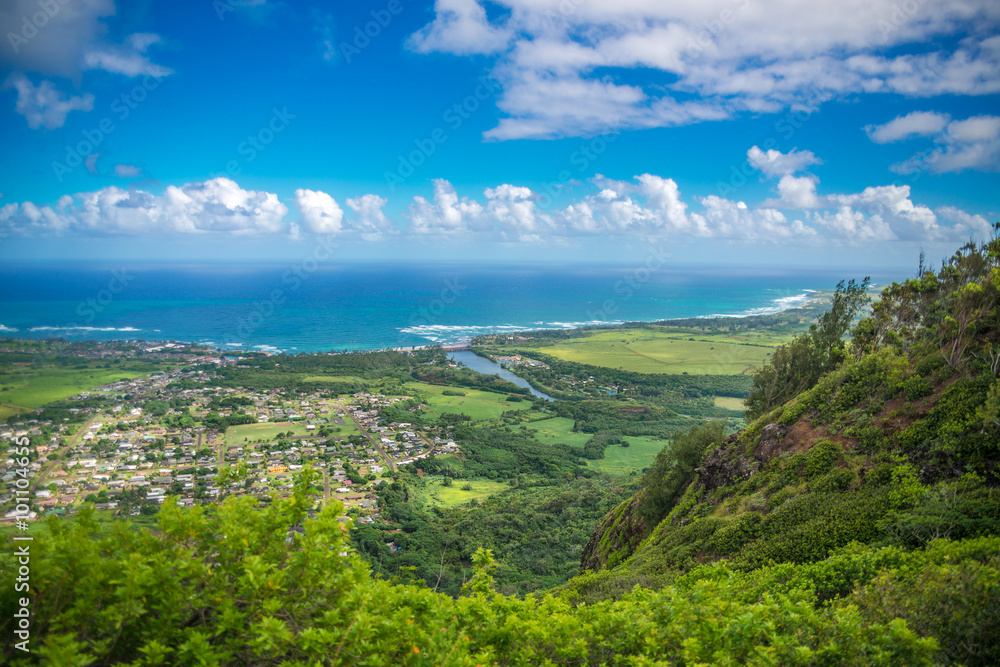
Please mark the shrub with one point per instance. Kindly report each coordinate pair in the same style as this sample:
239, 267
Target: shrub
955, 602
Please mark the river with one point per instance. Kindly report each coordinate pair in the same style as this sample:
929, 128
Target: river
487, 367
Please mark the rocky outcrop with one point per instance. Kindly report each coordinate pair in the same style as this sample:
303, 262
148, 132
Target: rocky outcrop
726, 465
772, 442
616, 537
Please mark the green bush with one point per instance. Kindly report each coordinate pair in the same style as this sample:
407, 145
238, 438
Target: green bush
821, 458
956, 602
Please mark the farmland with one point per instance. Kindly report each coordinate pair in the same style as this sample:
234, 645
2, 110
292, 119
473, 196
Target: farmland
648, 351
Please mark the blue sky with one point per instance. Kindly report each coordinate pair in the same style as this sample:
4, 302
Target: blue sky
742, 131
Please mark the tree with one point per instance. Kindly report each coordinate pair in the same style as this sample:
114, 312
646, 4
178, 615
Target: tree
799, 365
673, 468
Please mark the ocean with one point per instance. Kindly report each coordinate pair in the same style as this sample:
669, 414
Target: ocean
302, 308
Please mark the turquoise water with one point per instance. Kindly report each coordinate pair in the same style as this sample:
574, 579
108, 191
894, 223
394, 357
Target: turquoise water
358, 307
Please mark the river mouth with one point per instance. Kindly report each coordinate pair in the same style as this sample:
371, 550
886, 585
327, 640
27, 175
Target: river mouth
482, 365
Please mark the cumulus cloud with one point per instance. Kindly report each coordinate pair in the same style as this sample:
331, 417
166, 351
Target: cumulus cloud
854, 226
446, 214
218, 205
370, 219
775, 163
966, 224
797, 192
43, 105
461, 27
721, 57
318, 211
971, 143
646, 206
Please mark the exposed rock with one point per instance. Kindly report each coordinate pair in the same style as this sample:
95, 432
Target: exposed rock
771, 437
726, 465
616, 537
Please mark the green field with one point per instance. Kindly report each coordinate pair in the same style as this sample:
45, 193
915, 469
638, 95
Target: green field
7, 410
453, 496
32, 388
236, 434
335, 378
647, 351
559, 430
639, 454
729, 403
476, 404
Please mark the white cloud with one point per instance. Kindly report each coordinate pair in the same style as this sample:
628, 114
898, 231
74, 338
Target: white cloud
217, 205
972, 143
446, 215
60, 38
719, 57
854, 227
52, 47
797, 192
91, 162
916, 124
128, 59
647, 206
370, 220
43, 105
775, 163
966, 224
890, 207
461, 27
319, 212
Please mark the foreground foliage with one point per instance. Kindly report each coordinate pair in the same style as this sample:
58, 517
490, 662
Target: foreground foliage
244, 585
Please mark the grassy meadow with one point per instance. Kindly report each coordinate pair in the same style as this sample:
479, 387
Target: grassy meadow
475, 403
558, 430
639, 454
649, 351
23, 388
437, 495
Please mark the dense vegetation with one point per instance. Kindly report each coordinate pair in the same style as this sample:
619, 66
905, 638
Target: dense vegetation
875, 486
536, 531
248, 585
856, 520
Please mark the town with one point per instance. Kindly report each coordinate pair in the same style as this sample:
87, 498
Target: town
174, 433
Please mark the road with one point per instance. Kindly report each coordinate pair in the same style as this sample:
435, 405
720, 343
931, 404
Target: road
72, 442
375, 443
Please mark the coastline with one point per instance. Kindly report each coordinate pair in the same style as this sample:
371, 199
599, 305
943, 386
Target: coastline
451, 346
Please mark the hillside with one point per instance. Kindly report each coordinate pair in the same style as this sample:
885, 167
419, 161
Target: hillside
856, 520
890, 458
